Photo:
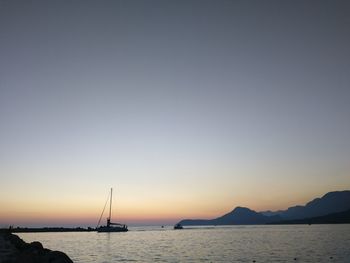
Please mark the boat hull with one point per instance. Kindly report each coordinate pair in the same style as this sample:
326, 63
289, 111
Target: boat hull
178, 226
104, 229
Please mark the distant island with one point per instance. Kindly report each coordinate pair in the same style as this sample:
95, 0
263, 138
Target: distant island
332, 208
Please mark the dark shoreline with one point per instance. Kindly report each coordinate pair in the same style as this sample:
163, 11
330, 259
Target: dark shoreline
46, 229
80, 229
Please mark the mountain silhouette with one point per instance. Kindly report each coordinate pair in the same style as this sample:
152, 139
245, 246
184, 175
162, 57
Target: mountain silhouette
334, 218
330, 203
238, 216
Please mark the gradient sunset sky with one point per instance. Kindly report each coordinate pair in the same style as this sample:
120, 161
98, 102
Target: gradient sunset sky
186, 108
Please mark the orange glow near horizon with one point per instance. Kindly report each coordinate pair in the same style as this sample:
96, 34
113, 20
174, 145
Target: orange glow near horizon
196, 194
80, 213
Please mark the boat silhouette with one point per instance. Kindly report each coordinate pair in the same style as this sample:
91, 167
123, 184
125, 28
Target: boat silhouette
178, 226
110, 227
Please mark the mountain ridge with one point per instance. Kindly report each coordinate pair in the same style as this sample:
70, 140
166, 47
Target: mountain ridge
333, 218
329, 203
238, 216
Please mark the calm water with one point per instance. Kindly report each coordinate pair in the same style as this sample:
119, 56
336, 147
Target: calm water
315, 243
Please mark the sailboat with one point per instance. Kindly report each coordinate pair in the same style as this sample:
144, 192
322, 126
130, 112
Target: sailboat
110, 227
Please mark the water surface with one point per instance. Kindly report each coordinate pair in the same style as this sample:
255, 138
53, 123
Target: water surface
283, 243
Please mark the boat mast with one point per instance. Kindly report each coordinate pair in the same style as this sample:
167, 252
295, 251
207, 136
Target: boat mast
110, 205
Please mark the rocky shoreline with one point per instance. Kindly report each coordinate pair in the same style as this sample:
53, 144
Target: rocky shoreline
14, 250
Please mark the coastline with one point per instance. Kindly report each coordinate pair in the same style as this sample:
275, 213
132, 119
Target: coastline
14, 250
47, 229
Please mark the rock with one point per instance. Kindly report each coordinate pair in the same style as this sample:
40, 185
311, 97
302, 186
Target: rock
16, 241
18, 251
56, 257
36, 245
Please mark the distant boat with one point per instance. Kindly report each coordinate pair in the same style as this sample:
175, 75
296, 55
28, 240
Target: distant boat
178, 226
110, 227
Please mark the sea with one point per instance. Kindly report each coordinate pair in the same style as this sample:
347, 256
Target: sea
263, 243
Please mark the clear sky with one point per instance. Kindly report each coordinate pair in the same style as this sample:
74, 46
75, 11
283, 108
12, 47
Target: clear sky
186, 108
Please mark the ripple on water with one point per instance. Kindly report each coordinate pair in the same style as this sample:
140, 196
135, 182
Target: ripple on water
316, 243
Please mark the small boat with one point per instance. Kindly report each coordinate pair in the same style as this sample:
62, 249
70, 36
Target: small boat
178, 226
111, 227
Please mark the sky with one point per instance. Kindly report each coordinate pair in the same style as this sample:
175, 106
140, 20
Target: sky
186, 108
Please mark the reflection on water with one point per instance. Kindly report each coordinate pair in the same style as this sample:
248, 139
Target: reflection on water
293, 243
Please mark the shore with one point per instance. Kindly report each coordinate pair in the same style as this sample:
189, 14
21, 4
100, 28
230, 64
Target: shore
47, 229
14, 250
